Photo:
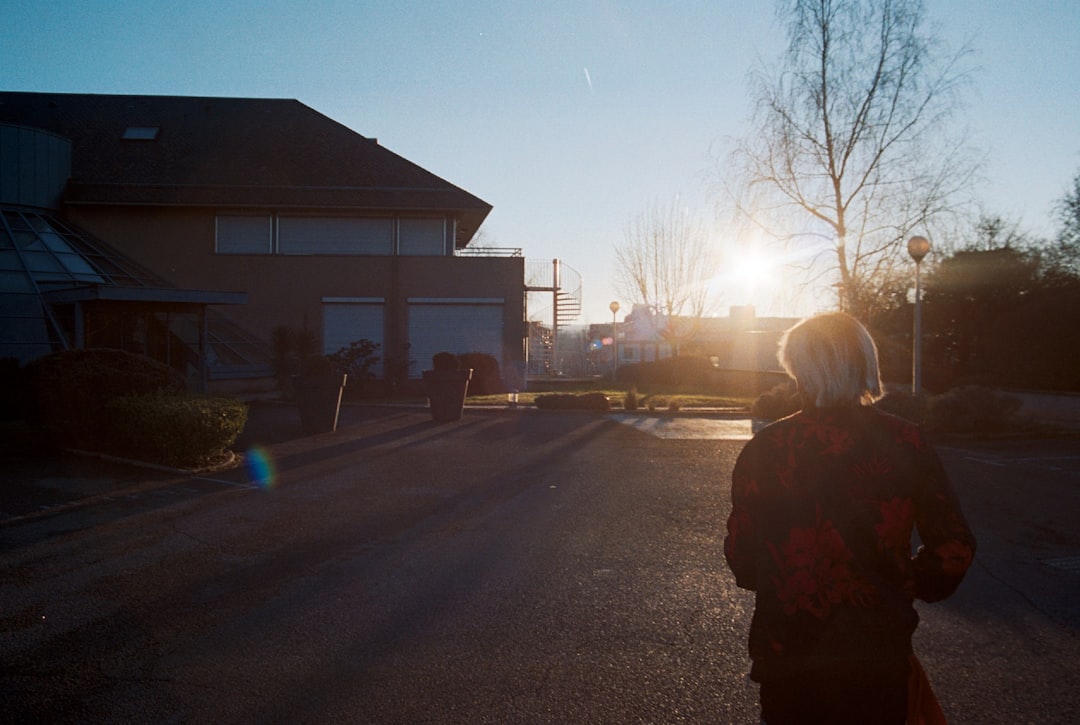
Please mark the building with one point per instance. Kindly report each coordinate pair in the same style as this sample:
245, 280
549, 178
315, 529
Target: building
190, 228
740, 343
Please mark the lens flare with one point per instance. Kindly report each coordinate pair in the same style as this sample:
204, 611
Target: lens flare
260, 467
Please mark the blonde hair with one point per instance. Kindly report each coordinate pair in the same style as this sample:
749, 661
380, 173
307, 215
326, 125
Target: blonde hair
833, 359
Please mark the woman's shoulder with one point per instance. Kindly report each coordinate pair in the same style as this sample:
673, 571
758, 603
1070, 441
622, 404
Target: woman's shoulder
900, 429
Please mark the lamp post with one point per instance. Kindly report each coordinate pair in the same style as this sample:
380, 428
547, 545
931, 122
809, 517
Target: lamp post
614, 307
917, 247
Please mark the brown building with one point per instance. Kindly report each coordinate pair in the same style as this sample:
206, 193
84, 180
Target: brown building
229, 218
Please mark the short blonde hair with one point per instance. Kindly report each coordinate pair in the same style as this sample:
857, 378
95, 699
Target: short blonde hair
833, 359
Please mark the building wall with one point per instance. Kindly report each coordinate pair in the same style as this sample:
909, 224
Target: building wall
179, 245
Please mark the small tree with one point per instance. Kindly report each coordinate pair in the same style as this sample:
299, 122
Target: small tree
356, 360
666, 262
1063, 255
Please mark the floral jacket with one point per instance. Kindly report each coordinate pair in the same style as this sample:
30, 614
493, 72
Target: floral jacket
824, 504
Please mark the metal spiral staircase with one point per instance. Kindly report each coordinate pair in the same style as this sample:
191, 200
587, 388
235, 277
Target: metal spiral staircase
563, 283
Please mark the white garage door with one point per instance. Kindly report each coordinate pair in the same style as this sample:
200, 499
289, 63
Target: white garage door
453, 325
348, 319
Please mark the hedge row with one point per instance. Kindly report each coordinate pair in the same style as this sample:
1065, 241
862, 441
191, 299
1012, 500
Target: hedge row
188, 431
573, 401
115, 402
969, 409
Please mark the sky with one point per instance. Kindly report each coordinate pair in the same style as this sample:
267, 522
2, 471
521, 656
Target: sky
570, 118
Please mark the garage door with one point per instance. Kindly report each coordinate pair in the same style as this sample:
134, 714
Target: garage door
348, 319
453, 325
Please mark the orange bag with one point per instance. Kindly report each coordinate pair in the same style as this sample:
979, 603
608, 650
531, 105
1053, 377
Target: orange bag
923, 705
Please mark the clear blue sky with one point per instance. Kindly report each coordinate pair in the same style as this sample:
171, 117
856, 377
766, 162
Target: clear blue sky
568, 117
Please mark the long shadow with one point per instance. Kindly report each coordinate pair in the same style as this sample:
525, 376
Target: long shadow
424, 604
47, 513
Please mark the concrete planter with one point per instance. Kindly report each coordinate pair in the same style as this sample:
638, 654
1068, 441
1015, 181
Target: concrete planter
318, 397
446, 390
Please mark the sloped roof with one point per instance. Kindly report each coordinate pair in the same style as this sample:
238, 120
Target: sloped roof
232, 152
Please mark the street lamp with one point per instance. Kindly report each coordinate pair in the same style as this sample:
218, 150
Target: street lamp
917, 247
614, 307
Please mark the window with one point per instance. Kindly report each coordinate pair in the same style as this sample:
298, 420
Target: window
422, 237
335, 235
245, 234
349, 319
267, 233
140, 133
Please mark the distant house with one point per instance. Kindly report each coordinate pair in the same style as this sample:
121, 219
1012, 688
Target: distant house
190, 228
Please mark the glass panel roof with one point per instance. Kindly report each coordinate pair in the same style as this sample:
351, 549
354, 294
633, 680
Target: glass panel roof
40, 252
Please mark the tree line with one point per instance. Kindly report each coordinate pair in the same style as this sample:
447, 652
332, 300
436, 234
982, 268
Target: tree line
854, 147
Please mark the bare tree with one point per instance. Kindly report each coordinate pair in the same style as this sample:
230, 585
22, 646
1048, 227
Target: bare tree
666, 261
1063, 254
849, 153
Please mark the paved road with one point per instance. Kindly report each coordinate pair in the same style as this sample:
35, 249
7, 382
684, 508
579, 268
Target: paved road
523, 568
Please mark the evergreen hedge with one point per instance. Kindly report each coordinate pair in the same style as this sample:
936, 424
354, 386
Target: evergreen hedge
177, 430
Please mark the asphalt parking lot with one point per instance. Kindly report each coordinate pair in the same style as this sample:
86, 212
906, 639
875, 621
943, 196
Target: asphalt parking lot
514, 566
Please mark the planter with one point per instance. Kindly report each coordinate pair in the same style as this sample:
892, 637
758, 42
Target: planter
319, 400
446, 391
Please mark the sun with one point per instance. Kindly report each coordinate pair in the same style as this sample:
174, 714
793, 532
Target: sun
749, 274
753, 270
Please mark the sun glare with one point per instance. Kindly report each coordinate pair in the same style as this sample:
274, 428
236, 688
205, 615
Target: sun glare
748, 277
752, 271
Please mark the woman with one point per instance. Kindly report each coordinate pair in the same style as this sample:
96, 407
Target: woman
824, 504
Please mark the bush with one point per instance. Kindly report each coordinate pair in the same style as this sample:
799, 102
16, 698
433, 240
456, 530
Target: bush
486, 378
445, 361
70, 390
778, 402
356, 360
972, 409
905, 405
175, 430
668, 372
570, 401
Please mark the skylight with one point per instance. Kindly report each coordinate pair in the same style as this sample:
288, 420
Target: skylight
140, 133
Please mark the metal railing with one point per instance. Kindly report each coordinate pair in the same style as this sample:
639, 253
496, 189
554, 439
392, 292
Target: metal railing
488, 252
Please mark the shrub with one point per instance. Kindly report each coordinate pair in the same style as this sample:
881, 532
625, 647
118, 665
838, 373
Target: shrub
445, 361
972, 409
175, 430
570, 401
70, 390
905, 405
320, 366
669, 371
356, 360
291, 347
778, 402
486, 378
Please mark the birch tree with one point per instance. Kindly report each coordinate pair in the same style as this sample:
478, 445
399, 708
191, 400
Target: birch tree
850, 152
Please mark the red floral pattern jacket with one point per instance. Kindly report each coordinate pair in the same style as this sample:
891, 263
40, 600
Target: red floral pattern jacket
824, 504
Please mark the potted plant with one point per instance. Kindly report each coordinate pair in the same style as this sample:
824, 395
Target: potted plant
318, 387
356, 361
446, 385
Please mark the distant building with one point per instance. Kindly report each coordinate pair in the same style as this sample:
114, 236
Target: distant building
742, 341
190, 228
